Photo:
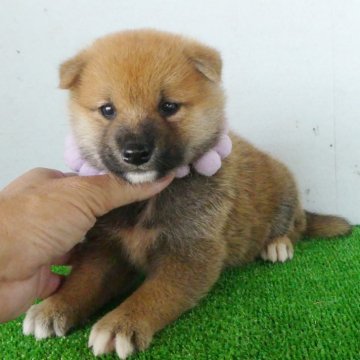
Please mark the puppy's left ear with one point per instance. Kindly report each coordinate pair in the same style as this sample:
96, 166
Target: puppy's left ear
71, 70
206, 60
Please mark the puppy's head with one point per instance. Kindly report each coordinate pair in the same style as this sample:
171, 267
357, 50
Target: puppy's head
144, 102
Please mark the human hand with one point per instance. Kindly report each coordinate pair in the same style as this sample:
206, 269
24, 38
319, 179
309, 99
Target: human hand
43, 215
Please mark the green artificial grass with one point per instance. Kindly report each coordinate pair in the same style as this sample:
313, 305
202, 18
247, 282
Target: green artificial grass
308, 308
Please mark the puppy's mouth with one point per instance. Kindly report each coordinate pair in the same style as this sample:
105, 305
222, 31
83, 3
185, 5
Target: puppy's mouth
139, 177
160, 164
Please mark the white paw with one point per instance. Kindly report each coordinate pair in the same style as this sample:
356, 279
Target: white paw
104, 341
123, 346
279, 250
37, 322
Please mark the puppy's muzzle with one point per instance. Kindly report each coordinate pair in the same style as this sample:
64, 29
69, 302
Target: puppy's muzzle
137, 153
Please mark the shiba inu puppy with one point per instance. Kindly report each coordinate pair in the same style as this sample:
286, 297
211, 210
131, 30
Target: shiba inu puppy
143, 103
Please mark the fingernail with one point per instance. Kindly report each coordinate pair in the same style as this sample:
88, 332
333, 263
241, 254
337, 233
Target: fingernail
164, 181
167, 177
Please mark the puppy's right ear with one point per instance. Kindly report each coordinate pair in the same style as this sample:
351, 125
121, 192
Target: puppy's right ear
206, 60
71, 69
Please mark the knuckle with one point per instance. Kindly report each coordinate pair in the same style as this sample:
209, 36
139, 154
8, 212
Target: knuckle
37, 170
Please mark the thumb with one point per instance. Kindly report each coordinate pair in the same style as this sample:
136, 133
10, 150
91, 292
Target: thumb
48, 282
102, 193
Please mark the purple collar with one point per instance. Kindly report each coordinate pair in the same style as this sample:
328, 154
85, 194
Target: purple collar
207, 165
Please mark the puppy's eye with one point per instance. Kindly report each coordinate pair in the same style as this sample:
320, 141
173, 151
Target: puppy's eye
167, 108
108, 111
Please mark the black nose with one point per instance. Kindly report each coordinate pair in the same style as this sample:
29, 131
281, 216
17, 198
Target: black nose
136, 153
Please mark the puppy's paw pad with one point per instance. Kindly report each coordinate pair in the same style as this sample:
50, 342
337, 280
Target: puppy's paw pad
43, 321
280, 250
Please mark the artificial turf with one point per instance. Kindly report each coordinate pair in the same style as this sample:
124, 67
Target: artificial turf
308, 308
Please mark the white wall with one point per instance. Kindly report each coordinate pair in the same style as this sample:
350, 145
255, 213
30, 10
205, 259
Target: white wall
292, 75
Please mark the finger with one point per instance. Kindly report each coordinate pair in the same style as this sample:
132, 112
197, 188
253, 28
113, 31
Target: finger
31, 178
62, 260
103, 193
17, 296
40, 174
51, 286
48, 283
69, 174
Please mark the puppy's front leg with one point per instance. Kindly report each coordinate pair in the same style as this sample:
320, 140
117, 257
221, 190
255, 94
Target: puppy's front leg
174, 285
99, 274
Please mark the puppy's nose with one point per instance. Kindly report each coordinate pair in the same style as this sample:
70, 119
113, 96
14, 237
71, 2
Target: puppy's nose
136, 153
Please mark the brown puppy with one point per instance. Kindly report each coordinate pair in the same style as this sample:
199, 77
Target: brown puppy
143, 103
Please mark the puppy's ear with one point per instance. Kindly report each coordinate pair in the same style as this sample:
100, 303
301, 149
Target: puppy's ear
206, 60
71, 69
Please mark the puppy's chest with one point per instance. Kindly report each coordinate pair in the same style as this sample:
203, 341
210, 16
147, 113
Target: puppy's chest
138, 244
138, 234
188, 210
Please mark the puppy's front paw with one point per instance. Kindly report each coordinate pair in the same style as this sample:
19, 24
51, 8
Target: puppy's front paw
281, 249
117, 332
48, 319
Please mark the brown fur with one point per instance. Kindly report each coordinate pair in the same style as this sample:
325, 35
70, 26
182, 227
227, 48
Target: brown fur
326, 225
185, 236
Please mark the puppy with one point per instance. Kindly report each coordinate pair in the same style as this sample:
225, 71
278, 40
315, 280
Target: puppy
143, 103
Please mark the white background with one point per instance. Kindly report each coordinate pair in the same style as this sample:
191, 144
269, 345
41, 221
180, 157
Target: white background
291, 72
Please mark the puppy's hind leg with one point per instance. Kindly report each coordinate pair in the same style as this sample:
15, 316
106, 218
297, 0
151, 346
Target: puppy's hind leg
278, 250
281, 248
286, 230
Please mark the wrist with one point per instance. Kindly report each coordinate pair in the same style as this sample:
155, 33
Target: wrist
16, 248
7, 241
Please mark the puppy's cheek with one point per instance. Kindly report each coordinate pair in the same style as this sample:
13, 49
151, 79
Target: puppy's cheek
169, 159
88, 134
111, 162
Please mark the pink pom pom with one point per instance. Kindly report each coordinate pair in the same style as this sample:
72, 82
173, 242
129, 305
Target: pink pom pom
182, 171
72, 155
208, 164
74, 160
225, 128
224, 146
88, 170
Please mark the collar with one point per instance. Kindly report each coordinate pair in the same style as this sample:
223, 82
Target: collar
208, 164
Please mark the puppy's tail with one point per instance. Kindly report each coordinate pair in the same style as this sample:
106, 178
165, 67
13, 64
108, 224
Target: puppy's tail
326, 225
